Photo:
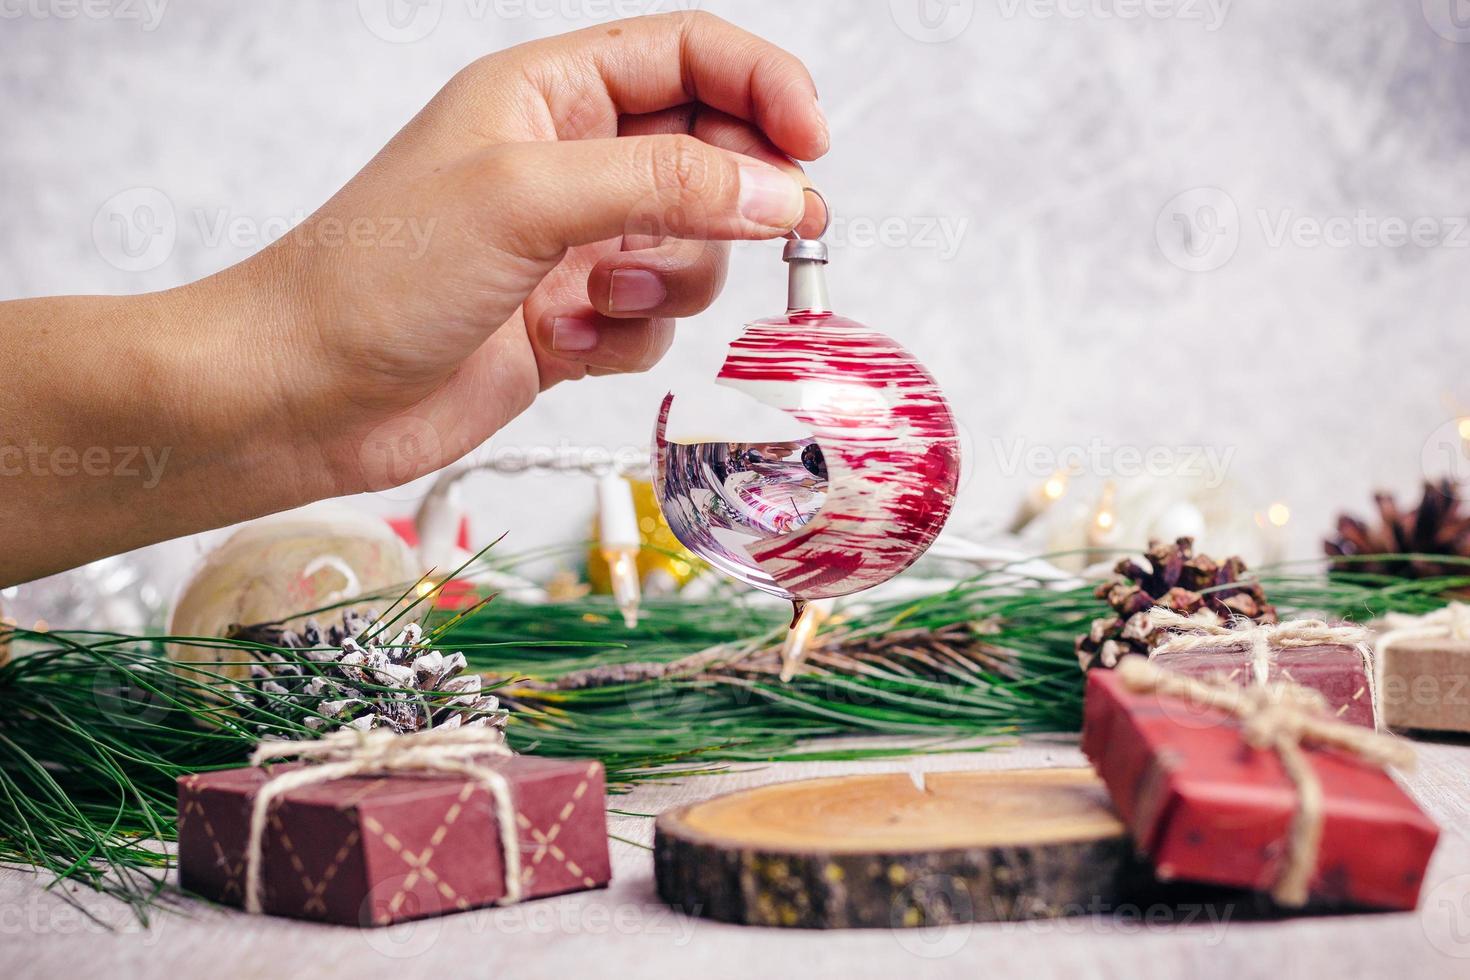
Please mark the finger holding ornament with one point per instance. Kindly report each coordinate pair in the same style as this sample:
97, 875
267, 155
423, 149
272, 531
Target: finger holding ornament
592, 340
649, 64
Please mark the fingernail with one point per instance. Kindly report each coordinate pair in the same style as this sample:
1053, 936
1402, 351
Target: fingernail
768, 197
634, 289
569, 333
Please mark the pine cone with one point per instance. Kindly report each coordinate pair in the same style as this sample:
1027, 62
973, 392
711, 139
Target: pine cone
1172, 576
336, 681
1436, 527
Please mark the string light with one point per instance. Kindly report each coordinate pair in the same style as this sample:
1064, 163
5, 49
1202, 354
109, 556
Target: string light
1104, 520
1278, 514
799, 637
1053, 489
618, 538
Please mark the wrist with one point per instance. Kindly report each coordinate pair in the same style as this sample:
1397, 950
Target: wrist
236, 371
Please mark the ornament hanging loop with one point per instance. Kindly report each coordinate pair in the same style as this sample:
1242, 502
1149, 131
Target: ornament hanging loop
806, 283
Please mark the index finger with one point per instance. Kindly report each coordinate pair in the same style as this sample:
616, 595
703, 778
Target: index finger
646, 64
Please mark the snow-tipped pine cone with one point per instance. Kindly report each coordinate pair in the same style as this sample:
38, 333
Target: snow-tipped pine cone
330, 679
1174, 577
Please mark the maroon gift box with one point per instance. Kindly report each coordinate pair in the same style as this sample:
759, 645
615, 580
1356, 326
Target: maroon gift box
1206, 806
372, 850
1338, 672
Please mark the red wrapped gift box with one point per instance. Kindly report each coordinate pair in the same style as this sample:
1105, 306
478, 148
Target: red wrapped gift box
1331, 660
1206, 806
371, 850
1338, 672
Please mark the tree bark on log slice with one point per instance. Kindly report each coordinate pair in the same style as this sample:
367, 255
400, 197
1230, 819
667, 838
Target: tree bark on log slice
875, 851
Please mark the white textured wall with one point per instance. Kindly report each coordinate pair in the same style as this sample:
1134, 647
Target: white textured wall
1047, 136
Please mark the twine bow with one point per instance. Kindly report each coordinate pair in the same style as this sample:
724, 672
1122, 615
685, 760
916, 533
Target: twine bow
1279, 717
348, 753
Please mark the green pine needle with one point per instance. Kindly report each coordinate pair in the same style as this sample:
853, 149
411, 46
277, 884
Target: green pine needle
98, 726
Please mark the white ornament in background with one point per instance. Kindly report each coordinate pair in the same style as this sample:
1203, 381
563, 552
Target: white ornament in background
286, 564
1216, 515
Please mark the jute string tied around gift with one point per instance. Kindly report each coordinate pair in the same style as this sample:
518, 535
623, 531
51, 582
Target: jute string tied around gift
1451, 622
1262, 638
347, 753
1279, 717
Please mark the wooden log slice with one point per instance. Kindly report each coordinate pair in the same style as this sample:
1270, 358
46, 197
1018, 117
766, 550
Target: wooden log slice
877, 852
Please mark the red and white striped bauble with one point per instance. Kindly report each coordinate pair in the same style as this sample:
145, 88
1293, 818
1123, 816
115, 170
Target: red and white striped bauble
805, 524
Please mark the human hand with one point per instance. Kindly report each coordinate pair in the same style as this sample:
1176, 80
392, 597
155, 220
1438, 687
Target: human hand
574, 195
565, 199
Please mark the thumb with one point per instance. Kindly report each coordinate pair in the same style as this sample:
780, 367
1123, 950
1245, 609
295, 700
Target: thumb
553, 196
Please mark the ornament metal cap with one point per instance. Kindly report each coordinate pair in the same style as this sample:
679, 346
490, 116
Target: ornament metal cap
806, 284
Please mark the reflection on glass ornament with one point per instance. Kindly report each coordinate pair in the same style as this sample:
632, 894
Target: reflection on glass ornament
843, 486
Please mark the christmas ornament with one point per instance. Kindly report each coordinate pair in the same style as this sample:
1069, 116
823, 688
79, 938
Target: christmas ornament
1174, 577
276, 570
1437, 526
883, 851
848, 504
1126, 514
364, 683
